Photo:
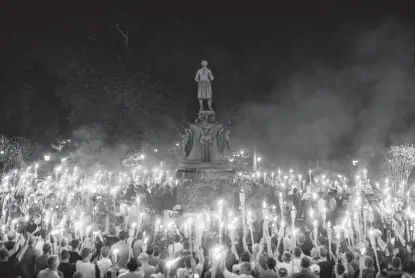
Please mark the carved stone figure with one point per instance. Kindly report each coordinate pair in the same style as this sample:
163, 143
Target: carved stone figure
216, 155
206, 141
224, 142
186, 142
204, 77
195, 154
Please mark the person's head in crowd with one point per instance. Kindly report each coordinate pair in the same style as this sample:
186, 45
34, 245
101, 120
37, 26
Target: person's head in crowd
105, 252
122, 235
64, 242
46, 248
340, 270
305, 263
112, 231
368, 262
78, 275
297, 252
382, 274
271, 263
245, 268
85, 254
53, 262
74, 244
286, 257
314, 254
409, 266
348, 257
246, 257
65, 256
11, 235
132, 265
301, 239
176, 238
4, 255
9, 245
396, 263
150, 251
282, 272
322, 241
315, 269
143, 258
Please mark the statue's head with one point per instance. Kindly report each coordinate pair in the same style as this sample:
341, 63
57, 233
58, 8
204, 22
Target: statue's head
204, 63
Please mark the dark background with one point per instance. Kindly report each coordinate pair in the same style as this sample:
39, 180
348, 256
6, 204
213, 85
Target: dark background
309, 80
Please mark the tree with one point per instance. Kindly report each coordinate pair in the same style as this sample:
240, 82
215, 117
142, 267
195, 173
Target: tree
399, 163
14, 152
127, 106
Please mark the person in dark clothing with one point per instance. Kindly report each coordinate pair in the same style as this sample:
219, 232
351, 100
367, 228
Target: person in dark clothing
74, 255
28, 260
112, 238
305, 272
65, 266
7, 269
396, 270
326, 266
270, 272
308, 244
387, 259
41, 261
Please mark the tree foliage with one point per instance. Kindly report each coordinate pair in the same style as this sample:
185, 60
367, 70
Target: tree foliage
124, 104
14, 152
399, 162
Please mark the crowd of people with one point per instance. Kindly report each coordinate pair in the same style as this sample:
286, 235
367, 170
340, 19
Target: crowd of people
295, 250
102, 225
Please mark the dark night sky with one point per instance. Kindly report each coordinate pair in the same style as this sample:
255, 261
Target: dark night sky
255, 50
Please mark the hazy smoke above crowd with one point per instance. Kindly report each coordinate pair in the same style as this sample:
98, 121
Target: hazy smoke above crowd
326, 111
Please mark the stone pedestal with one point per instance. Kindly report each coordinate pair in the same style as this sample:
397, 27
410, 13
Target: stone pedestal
205, 146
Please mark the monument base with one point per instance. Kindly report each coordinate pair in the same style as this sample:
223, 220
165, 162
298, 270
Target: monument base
185, 168
205, 147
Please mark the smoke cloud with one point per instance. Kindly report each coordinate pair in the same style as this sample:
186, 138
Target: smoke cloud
325, 112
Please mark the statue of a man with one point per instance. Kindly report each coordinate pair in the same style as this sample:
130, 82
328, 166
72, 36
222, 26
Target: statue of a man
204, 77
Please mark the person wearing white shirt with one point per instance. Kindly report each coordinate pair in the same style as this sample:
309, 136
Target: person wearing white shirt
105, 263
85, 266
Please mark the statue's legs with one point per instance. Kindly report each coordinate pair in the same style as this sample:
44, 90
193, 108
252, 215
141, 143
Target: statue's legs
201, 104
210, 104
